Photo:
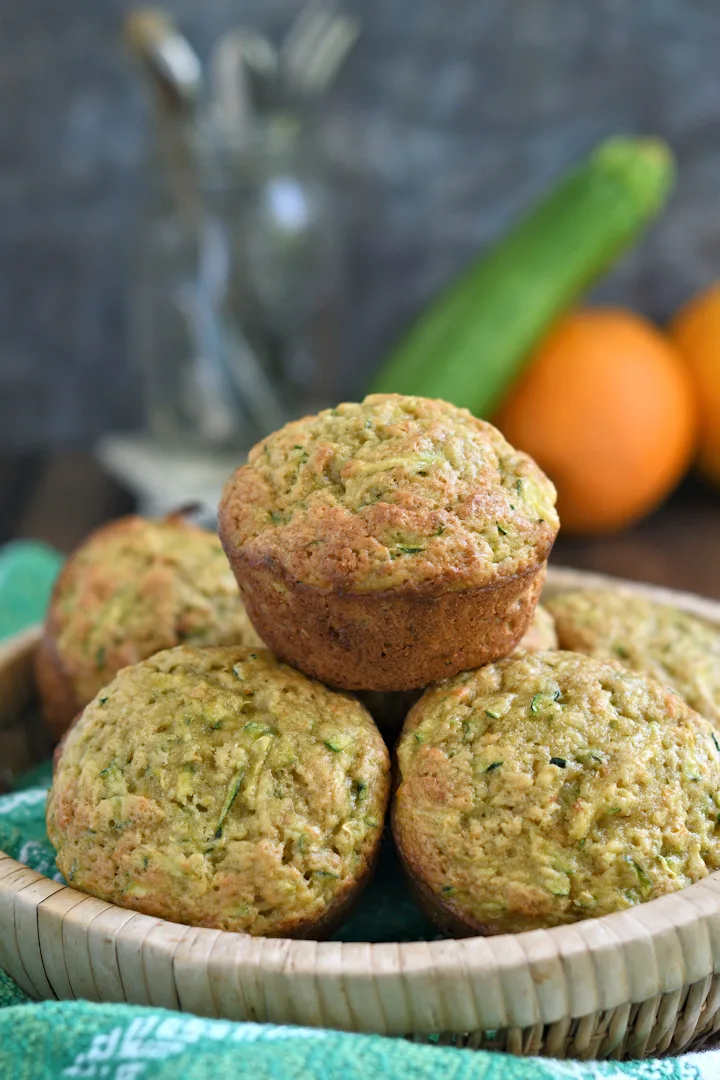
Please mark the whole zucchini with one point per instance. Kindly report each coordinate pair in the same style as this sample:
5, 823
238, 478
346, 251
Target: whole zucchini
471, 343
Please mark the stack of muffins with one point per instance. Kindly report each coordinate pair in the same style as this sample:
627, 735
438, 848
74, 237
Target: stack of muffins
379, 548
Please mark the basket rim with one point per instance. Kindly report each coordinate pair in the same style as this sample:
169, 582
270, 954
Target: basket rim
654, 948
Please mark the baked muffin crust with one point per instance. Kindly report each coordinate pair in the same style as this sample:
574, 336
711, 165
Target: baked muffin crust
389, 710
390, 493
540, 635
134, 587
657, 639
385, 544
219, 788
551, 788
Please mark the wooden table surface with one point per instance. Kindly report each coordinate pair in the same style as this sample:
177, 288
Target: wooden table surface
59, 498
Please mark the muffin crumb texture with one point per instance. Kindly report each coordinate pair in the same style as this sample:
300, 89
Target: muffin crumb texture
219, 788
540, 634
133, 588
551, 788
387, 544
389, 710
393, 492
657, 639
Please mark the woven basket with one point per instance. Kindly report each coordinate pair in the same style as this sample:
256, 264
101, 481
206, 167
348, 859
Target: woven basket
634, 984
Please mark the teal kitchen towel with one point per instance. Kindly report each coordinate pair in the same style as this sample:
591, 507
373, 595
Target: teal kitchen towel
121, 1042
27, 572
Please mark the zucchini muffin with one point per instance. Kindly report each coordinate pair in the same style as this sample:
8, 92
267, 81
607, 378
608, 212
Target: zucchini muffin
389, 710
540, 635
387, 544
219, 788
132, 588
659, 640
550, 788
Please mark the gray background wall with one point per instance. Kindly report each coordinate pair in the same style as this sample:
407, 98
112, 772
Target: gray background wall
459, 111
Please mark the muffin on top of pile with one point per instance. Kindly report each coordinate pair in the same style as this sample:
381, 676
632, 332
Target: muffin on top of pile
386, 544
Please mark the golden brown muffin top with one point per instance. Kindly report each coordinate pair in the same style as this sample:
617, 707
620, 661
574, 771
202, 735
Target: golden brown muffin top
392, 492
656, 639
553, 787
137, 586
219, 787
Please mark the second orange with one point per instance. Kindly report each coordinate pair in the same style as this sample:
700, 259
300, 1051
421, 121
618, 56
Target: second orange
608, 410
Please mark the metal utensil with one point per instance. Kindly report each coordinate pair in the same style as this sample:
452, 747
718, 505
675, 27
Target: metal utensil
174, 74
316, 46
174, 68
243, 69
233, 351
224, 373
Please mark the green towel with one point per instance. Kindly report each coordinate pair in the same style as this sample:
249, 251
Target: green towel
122, 1042
27, 572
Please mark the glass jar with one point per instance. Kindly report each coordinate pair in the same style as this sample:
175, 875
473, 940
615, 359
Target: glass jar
236, 285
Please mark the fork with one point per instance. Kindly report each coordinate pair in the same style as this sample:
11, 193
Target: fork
316, 46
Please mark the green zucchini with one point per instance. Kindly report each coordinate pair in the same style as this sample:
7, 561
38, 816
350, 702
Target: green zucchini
473, 340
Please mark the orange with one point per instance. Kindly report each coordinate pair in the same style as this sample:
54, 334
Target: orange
696, 333
607, 409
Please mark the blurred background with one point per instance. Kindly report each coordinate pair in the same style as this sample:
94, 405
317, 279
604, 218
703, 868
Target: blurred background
219, 215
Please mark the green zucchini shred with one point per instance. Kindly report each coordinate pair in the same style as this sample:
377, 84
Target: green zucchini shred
231, 796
